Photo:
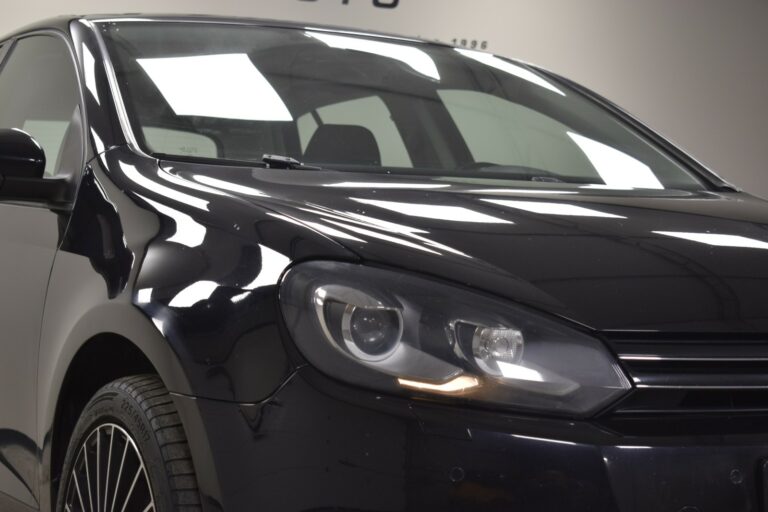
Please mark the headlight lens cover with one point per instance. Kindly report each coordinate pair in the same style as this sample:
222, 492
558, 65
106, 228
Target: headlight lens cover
396, 332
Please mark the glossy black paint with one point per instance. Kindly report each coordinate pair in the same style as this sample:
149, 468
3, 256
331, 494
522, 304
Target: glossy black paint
23, 163
616, 257
20, 155
269, 433
347, 450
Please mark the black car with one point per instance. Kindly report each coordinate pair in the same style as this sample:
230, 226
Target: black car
258, 266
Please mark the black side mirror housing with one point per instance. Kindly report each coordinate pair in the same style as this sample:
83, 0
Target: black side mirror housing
20, 155
22, 167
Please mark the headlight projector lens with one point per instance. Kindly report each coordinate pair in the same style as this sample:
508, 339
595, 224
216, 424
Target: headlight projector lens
494, 345
371, 334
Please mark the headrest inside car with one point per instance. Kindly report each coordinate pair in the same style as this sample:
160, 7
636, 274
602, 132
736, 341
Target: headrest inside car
343, 144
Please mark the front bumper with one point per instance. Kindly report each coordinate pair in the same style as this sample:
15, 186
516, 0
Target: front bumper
320, 446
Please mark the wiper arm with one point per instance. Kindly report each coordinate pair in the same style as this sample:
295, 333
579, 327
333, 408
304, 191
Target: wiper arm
267, 161
285, 162
517, 172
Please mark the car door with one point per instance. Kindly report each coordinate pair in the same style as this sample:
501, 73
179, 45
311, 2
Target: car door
39, 93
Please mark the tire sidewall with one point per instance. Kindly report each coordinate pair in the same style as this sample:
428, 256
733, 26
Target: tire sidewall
116, 406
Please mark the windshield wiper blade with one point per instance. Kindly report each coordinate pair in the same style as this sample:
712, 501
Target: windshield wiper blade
268, 161
285, 162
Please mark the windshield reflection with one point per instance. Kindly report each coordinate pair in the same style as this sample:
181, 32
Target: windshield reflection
616, 168
417, 59
222, 94
221, 86
508, 67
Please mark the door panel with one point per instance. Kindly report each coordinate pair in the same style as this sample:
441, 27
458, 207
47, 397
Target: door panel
29, 237
39, 93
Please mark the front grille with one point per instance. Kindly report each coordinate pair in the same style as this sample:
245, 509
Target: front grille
694, 375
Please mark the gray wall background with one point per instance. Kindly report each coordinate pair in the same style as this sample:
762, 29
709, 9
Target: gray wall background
695, 70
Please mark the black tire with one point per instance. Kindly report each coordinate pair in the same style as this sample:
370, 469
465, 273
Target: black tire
134, 420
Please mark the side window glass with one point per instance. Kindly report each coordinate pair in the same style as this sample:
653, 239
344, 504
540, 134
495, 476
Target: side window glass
179, 142
39, 94
501, 132
370, 113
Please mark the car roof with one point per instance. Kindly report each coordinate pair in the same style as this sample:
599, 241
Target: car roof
61, 23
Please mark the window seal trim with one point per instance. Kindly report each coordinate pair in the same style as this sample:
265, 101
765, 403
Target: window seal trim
120, 106
6, 47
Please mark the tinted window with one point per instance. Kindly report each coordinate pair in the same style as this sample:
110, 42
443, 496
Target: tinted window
39, 94
372, 104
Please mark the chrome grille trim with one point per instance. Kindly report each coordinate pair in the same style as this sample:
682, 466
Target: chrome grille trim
649, 357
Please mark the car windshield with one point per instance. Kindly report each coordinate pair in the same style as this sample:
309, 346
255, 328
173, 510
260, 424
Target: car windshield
370, 104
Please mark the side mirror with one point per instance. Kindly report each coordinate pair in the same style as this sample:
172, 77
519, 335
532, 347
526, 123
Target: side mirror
20, 155
22, 166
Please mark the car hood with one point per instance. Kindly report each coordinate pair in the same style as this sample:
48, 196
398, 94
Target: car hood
668, 261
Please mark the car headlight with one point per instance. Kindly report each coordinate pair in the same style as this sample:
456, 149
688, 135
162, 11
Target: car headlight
396, 332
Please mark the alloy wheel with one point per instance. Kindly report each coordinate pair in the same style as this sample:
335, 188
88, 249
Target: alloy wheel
109, 475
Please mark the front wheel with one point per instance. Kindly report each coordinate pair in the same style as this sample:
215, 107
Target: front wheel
129, 453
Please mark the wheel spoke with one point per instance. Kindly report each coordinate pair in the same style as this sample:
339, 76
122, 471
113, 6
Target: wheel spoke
139, 491
119, 475
98, 470
79, 494
109, 466
87, 474
130, 491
